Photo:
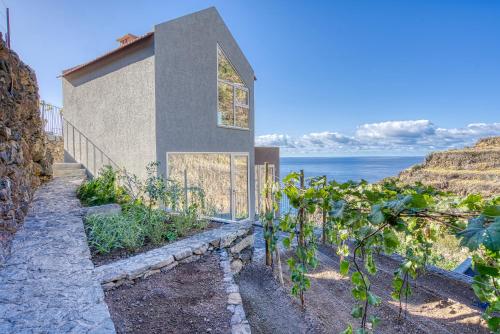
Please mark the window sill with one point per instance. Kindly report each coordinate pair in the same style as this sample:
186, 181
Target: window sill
232, 127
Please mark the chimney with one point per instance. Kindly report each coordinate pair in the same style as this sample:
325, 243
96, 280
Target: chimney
126, 39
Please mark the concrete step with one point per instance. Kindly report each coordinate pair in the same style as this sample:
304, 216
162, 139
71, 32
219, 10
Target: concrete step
69, 172
67, 165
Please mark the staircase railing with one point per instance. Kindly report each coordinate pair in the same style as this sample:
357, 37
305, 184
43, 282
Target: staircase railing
81, 149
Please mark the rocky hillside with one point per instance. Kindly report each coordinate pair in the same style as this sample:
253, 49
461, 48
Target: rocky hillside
465, 171
24, 159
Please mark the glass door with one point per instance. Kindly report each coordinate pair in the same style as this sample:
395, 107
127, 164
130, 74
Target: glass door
240, 200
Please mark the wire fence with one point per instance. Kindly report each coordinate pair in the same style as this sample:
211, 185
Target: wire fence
51, 118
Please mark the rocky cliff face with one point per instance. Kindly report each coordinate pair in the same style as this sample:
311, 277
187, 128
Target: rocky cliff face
470, 170
24, 160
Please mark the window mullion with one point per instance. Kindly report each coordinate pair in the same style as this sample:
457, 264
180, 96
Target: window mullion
234, 105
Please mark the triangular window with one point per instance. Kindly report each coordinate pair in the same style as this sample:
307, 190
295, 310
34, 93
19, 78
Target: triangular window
233, 107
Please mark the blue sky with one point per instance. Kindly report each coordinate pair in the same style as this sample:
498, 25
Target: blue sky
334, 77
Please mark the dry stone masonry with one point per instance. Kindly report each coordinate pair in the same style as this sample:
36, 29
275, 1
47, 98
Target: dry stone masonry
236, 237
24, 160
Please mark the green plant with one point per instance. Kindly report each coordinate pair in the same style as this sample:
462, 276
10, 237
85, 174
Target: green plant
187, 220
102, 189
368, 218
109, 232
154, 222
298, 225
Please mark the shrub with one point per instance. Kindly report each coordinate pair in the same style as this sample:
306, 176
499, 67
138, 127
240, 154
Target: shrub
109, 232
187, 220
102, 189
153, 221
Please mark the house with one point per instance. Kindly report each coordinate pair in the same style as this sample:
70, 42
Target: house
182, 95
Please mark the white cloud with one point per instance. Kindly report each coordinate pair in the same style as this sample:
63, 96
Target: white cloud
391, 137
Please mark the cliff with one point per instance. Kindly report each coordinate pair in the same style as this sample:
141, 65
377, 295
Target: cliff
24, 160
465, 171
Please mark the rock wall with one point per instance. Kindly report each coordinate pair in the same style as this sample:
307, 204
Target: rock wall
24, 161
55, 145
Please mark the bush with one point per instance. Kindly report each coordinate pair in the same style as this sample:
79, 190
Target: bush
102, 189
154, 222
187, 220
109, 232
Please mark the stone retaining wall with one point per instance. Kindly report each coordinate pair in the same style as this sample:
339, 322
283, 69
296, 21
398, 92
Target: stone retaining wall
55, 145
236, 238
24, 160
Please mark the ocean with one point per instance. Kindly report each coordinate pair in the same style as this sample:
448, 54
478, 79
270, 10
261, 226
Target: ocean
343, 169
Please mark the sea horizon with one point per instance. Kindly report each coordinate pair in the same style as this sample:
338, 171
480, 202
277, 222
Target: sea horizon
342, 169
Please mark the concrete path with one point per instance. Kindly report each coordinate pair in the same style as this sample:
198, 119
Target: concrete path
46, 285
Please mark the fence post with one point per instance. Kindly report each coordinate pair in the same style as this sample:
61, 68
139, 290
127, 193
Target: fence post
185, 190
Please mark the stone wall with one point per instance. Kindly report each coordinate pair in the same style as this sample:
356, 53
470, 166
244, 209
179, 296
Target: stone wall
235, 238
24, 161
55, 145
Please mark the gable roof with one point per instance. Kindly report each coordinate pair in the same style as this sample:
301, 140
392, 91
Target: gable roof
118, 50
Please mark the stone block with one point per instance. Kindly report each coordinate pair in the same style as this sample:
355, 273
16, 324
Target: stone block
234, 298
163, 263
182, 253
190, 259
236, 266
244, 243
169, 267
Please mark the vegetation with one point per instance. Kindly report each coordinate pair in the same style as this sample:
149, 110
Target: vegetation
365, 219
102, 189
144, 219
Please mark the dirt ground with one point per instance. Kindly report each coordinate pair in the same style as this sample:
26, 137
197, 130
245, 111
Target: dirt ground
118, 254
187, 299
437, 305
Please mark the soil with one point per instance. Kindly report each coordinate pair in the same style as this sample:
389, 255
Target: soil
268, 307
187, 299
100, 259
437, 304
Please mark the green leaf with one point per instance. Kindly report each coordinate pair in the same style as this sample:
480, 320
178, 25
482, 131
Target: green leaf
286, 242
370, 264
348, 330
492, 211
344, 267
357, 311
479, 231
486, 270
376, 216
374, 320
373, 300
494, 324
391, 241
357, 279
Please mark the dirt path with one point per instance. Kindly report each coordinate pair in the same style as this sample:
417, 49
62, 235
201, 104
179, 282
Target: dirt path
187, 299
437, 305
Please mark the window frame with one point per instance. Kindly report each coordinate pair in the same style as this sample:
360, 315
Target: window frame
234, 87
231, 168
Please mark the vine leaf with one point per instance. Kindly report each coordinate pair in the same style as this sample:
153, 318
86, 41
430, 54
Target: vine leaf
348, 330
344, 267
376, 217
357, 311
373, 300
479, 231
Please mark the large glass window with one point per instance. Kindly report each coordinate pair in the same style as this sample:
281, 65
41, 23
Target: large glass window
221, 179
233, 106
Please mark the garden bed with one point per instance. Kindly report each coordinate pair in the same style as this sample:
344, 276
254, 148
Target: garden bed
438, 304
100, 259
190, 298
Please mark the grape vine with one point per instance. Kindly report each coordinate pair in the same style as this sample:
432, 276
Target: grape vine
361, 220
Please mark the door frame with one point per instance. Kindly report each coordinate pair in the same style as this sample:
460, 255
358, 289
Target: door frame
232, 199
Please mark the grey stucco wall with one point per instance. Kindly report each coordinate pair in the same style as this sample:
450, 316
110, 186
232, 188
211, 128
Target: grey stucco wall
186, 89
112, 104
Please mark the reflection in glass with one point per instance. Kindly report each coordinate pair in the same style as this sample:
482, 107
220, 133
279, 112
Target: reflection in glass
226, 104
206, 171
233, 99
